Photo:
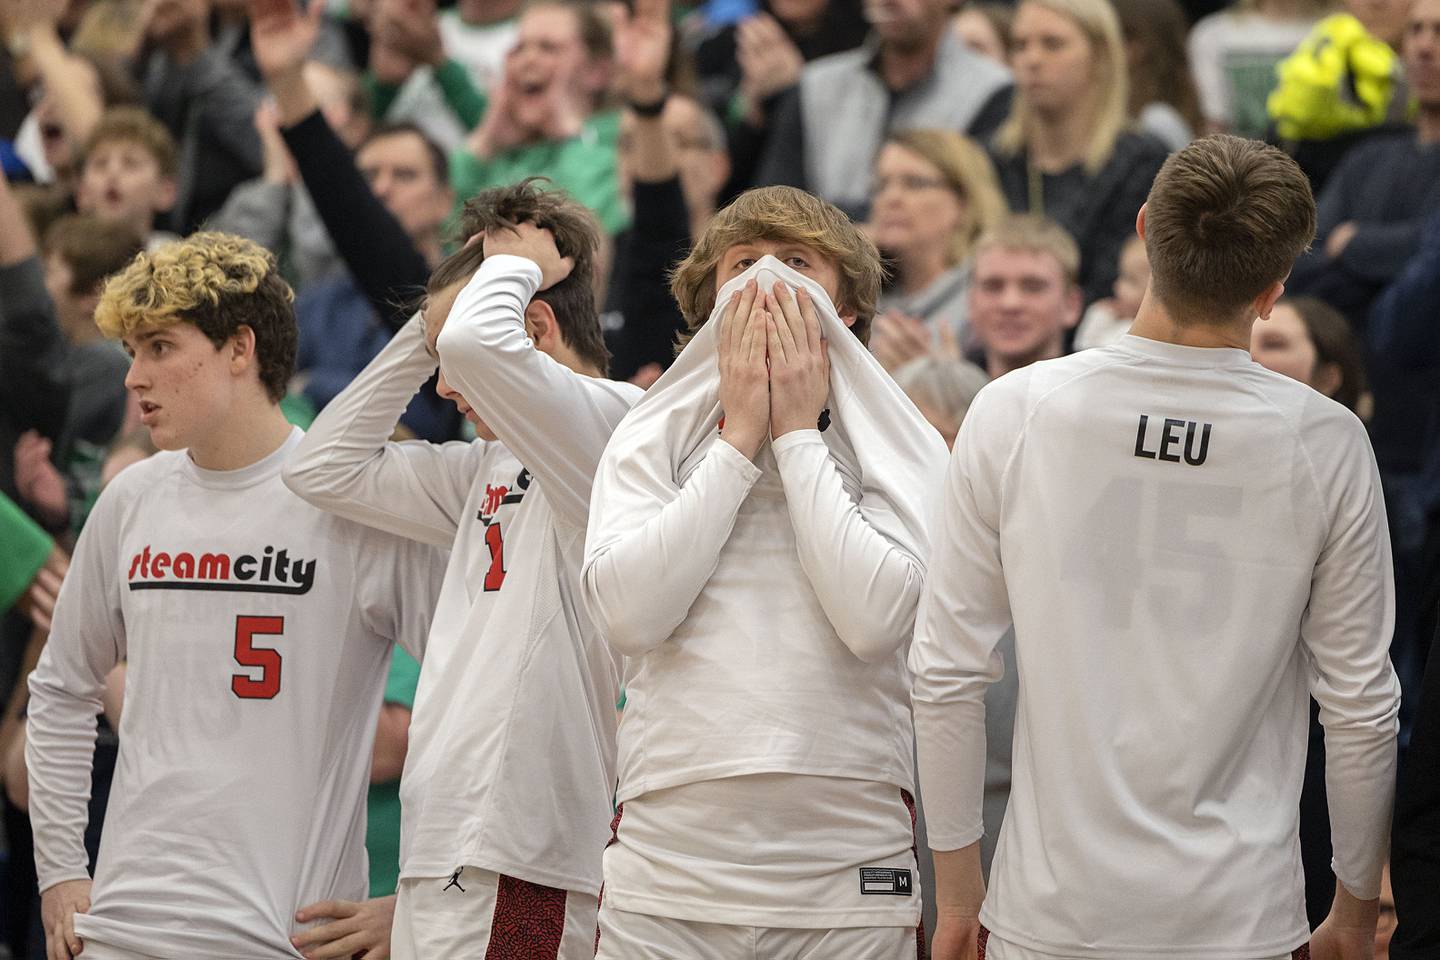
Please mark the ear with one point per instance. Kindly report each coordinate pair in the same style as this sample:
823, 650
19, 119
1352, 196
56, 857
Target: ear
241, 347
1326, 378
543, 327
1140, 222
1264, 303
1074, 306
165, 196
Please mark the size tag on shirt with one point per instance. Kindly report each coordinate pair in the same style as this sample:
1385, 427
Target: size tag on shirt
886, 881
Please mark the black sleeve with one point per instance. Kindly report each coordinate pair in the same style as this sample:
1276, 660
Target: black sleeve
367, 236
34, 391
658, 238
994, 112
782, 162
1415, 838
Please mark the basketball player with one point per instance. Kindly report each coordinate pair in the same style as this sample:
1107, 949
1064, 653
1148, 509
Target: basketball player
1189, 547
755, 548
507, 783
257, 631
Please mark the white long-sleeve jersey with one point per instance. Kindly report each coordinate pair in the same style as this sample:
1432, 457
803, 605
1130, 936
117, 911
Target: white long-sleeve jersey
257, 631
512, 739
1189, 546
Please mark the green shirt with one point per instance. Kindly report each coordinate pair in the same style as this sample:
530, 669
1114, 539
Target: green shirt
382, 833
584, 166
26, 547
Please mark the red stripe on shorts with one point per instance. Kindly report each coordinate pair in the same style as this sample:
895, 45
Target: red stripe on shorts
1301, 953
528, 923
915, 849
614, 838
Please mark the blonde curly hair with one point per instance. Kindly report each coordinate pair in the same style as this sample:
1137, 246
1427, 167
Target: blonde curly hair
784, 215
217, 282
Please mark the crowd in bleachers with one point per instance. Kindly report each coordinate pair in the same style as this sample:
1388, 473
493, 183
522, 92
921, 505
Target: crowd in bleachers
997, 154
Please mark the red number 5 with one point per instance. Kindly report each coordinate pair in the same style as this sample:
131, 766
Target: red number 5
266, 659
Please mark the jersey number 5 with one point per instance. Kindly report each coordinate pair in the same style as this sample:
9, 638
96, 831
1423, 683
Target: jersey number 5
266, 659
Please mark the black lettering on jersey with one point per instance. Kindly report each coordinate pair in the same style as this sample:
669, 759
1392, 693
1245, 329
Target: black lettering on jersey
271, 572
885, 881
496, 497
1168, 442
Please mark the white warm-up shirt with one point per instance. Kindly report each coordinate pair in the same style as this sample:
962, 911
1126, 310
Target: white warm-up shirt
1189, 547
512, 738
766, 608
257, 631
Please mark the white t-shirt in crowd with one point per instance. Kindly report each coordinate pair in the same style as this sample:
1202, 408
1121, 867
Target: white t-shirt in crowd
257, 631
512, 739
1189, 546
1233, 54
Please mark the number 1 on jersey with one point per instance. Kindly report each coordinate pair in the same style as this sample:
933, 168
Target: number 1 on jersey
495, 576
267, 659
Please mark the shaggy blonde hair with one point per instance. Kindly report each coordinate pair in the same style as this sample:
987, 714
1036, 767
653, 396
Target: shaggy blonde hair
1110, 90
216, 281
782, 215
968, 173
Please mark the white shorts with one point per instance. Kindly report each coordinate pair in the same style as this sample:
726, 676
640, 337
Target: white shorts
478, 914
639, 936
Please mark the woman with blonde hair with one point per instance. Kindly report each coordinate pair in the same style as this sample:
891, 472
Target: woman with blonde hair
1067, 149
934, 193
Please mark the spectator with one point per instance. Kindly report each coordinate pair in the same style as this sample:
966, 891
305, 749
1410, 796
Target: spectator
943, 390
275, 210
672, 167
1162, 93
1107, 320
935, 193
1025, 294
1234, 52
425, 69
32, 568
207, 101
340, 329
545, 118
771, 46
1372, 210
127, 175
1343, 84
1403, 334
913, 73
984, 26
1065, 150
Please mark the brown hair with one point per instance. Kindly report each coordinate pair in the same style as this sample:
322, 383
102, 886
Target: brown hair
968, 173
1225, 219
577, 235
1036, 234
1335, 342
785, 215
1160, 73
134, 125
219, 283
92, 248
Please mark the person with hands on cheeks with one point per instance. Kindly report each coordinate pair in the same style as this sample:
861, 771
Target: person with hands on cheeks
756, 549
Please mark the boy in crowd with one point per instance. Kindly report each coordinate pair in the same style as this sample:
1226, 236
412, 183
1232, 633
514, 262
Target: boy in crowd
507, 784
1024, 294
1189, 547
257, 631
757, 549
128, 174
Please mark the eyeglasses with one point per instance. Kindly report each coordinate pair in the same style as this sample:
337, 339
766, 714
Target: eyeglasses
910, 183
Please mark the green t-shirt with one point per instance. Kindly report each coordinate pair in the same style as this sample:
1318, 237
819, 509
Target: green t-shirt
26, 547
382, 834
583, 166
